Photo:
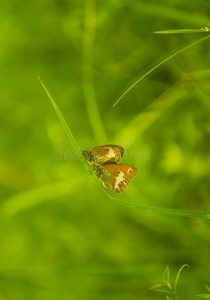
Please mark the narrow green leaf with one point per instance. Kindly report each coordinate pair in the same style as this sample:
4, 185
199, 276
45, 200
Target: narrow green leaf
161, 288
204, 296
207, 287
61, 118
166, 211
160, 64
160, 210
39, 195
178, 274
166, 277
88, 83
64, 124
174, 31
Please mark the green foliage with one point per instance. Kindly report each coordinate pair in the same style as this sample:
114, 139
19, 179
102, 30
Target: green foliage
205, 296
166, 211
166, 287
62, 237
163, 61
173, 31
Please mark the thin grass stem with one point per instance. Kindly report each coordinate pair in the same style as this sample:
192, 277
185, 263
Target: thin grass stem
178, 274
64, 124
88, 85
160, 210
160, 64
174, 31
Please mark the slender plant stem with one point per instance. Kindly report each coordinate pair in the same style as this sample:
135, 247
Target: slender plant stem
88, 84
177, 276
147, 208
173, 31
61, 118
176, 297
160, 64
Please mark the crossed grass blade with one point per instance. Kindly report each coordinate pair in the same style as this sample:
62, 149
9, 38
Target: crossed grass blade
159, 65
160, 210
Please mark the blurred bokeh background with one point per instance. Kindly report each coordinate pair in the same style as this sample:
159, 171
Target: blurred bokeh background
61, 237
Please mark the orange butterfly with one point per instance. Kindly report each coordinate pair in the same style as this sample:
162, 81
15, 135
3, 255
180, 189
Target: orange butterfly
104, 154
104, 160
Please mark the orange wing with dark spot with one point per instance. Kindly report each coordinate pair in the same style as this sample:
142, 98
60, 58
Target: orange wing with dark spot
116, 177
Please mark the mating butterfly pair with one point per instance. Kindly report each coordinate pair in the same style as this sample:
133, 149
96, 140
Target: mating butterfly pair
105, 161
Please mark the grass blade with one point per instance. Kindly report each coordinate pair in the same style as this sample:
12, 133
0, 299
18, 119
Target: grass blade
178, 274
65, 125
39, 195
160, 64
62, 120
88, 84
174, 31
160, 210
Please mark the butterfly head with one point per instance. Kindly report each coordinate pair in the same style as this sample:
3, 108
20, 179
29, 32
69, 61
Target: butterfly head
86, 154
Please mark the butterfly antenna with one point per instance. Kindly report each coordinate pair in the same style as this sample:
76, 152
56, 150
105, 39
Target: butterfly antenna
84, 144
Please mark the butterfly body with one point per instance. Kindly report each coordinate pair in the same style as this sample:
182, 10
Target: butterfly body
105, 161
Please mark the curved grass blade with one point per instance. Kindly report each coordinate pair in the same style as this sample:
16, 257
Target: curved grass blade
159, 65
166, 277
88, 84
64, 124
174, 31
178, 274
160, 210
39, 195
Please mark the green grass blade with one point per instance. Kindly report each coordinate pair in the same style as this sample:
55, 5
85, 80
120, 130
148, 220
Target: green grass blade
178, 274
88, 84
166, 277
174, 31
62, 120
160, 64
161, 288
39, 195
65, 126
21, 201
160, 210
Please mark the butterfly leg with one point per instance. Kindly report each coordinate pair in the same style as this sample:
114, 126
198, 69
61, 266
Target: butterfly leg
91, 170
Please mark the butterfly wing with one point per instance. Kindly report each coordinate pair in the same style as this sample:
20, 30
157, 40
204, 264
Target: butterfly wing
107, 154
116, 177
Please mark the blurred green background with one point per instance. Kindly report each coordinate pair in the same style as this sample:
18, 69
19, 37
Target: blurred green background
61, 236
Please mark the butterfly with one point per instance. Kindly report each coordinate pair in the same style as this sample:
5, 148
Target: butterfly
104, 154
105, 161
